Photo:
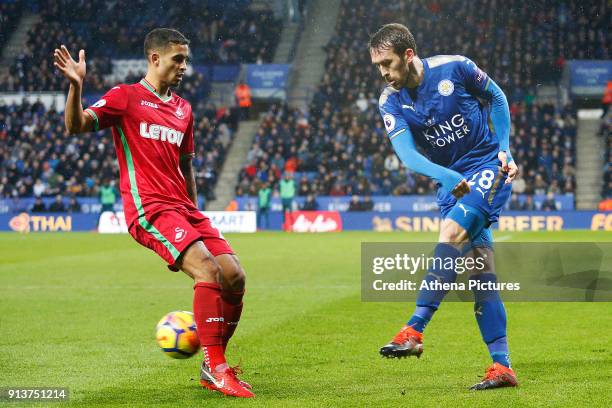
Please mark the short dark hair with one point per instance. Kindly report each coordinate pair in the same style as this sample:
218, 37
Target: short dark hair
160, 38
393, 36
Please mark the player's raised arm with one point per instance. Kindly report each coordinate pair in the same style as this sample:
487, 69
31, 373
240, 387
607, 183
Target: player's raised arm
76, 120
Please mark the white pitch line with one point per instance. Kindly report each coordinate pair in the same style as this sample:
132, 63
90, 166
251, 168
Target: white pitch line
503, 238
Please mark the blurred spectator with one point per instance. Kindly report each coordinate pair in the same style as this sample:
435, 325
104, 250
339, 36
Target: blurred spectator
514, 205
392, 163
518, 185
39, 188
108, 196
57, 205
355, 204
243, 99
310, 204
38, 206
232, 206
74, 206
528, 204
362, 103
287, 193
605, 205
549, 204
263, 206
367, 204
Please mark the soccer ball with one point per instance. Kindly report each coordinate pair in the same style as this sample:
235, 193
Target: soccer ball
176, 335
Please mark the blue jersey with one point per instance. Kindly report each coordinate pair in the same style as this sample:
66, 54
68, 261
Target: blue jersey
445, 115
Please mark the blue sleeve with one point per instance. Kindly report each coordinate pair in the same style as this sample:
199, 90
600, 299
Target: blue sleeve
500, 116
403, 144
478, 83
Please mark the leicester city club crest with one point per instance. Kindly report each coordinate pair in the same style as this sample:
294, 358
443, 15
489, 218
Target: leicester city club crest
446, 87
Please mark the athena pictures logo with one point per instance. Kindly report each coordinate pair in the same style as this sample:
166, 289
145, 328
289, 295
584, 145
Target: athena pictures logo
389, 122
446, 87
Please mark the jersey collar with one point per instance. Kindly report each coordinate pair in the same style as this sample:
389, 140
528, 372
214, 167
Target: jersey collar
151, 88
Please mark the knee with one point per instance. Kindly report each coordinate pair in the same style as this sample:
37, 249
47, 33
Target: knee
451, 237
234, 277
452, 233
206, 269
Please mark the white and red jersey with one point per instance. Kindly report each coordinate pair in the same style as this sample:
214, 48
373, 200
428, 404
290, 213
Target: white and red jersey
151, 133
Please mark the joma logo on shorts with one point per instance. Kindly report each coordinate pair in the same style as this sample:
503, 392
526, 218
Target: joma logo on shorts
159, 132
214, 319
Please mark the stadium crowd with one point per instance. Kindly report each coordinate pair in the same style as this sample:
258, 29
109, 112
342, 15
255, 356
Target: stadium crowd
340, 148
10, 13
38, 158
228, 33
346, 153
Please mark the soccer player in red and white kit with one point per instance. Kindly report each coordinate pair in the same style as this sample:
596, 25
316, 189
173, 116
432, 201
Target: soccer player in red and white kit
153, 134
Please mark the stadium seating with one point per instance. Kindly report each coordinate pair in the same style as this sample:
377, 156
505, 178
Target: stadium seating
343, 140
220, 33
10, 12
38, 158
338, 147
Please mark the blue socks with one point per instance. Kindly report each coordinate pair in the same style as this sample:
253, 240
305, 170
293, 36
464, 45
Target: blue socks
422, 315
488, 306
428, 301
491, 317
498, 349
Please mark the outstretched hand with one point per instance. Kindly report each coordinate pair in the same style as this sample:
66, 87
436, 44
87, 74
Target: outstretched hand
72, 70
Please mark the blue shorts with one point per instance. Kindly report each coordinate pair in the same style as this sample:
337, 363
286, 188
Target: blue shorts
476, 211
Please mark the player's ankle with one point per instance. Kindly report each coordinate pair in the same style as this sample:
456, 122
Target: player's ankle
417, 324
503, 362
214, 356
219, 368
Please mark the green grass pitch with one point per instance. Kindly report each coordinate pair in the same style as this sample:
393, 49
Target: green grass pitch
78, 310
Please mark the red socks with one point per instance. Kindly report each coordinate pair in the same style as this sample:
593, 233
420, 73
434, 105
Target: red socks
217, 314
232, 309
210, 322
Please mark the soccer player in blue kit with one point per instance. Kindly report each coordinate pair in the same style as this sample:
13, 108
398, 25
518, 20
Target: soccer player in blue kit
460, 120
